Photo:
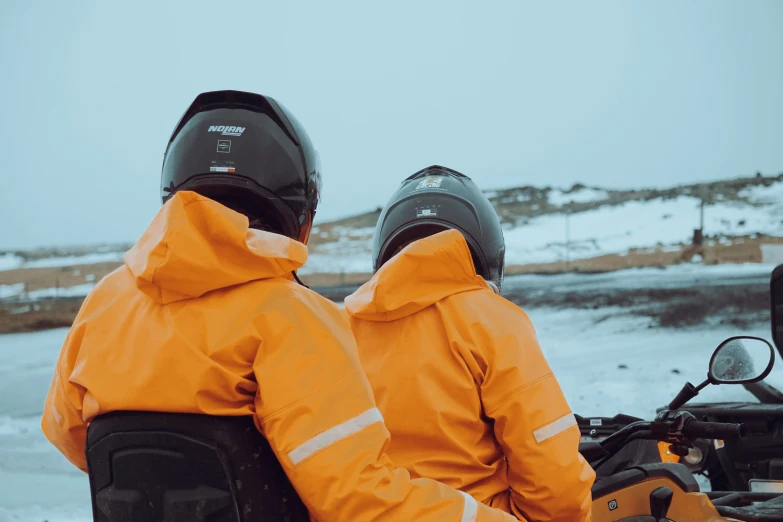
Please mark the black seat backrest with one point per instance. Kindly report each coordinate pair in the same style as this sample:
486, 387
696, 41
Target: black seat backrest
173, 467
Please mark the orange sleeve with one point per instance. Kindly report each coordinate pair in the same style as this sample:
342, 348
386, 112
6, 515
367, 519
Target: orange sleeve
316, 408
534, 425
62, 417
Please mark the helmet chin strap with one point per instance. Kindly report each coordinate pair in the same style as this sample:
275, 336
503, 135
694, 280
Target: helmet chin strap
296, 278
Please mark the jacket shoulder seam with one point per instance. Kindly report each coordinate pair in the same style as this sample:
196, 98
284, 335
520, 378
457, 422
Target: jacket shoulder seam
517, 391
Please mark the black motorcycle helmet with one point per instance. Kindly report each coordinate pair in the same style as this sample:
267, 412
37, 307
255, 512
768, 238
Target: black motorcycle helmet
249, 153
437, 199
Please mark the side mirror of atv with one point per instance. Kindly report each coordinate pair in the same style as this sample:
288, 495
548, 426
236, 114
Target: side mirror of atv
737, 360
741, 360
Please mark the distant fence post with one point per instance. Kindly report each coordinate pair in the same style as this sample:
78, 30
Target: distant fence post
568, 240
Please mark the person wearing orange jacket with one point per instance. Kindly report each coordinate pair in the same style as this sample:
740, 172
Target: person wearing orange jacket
206, 316
457, 370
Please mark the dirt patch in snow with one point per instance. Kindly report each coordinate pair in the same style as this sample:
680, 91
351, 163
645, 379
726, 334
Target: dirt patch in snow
739, 306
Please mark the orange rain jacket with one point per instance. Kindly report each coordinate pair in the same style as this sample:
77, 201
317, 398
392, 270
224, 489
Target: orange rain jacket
461, 382
204, 318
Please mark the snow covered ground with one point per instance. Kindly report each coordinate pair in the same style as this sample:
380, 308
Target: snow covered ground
12, 261
37, 483
586, 349
43, 293
11, 290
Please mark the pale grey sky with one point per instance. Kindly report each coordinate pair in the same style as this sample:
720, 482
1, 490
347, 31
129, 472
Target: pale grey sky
618, 94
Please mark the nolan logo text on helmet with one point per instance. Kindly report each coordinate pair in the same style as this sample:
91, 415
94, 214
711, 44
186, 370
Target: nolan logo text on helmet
226, 130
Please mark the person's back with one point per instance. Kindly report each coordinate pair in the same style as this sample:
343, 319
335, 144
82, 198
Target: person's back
179, 326
205, 317
456, 369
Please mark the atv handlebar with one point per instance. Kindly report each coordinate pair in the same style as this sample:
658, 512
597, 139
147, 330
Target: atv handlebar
713, 430
667, 428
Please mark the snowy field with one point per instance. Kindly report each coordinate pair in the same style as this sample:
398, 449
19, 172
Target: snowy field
585, 348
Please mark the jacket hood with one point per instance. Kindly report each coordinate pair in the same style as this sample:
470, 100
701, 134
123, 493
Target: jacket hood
196, 245
422, 274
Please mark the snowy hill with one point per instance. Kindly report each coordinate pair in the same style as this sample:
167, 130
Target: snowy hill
539, 222
544, 225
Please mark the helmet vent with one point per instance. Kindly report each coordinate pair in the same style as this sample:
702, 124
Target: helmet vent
435, 170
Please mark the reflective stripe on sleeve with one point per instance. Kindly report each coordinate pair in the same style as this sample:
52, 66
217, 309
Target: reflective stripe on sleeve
554, 428
470, 511
334, 435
